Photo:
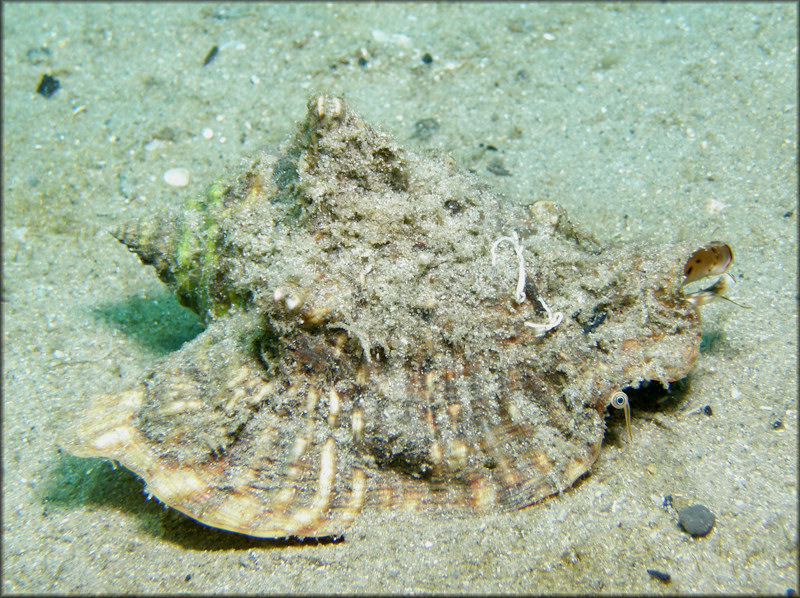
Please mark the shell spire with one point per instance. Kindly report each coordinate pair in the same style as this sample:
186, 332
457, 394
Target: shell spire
185, 252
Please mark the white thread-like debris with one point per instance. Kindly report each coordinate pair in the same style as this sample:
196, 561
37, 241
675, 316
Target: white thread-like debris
553, 318
514, 240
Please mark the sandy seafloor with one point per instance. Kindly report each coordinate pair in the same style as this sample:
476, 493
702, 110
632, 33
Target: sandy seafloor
659, 121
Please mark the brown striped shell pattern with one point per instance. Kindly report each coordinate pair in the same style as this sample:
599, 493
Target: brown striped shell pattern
385, 331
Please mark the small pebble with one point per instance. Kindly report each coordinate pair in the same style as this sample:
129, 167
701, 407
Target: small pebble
497, 169
212, 53
48, 86
427, 58
177, 177
696, 520
660, 575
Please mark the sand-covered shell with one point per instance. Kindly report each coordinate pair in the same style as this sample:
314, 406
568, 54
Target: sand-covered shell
384, 330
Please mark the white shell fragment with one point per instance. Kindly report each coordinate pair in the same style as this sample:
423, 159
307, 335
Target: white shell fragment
176, 177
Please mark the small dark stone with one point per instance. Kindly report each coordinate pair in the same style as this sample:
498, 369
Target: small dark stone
188, 577
491, 148
667, 501
777, 424
362, 61
427, 58
497, 169
48, 86
453, 206
708, 411
532, 293
696, 520
597, 319
212, 53
426, 313
660, 575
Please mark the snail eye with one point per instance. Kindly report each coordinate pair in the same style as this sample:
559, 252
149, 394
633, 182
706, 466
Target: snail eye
619, 400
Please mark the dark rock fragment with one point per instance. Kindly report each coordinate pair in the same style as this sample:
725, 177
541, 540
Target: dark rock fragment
48, 86
497, 169
660, 575
212, 54
696, 520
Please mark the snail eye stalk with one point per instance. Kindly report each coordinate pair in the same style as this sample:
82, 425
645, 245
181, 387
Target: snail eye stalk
619, 400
